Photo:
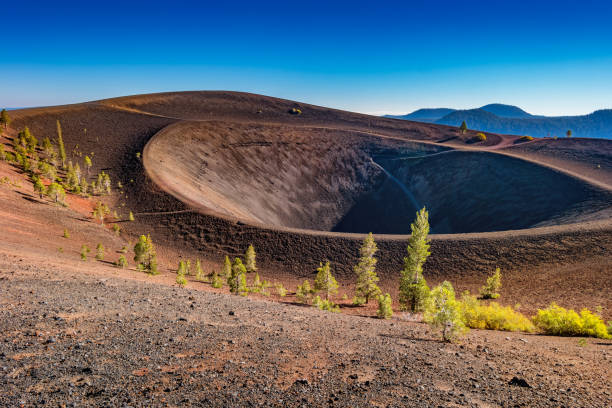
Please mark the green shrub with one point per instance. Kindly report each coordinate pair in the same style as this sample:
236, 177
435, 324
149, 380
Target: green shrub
84, 251
100, 252
385, 311
493, 316
131, 216
527, 138
116, 229
121, 262
304, 292
217, 282
180, 279
325, 304
481, 137
280, 289
237, 278
491, 288
559, 321
199, 273
145, 255
443, 310
66, 233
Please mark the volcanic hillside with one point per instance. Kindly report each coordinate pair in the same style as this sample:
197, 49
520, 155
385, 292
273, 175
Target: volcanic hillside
215, 171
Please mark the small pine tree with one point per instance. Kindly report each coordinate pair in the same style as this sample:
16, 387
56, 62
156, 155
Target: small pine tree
463, 127
100, 252
47, 147
180, 273
84, 186
325, 281
217, 281
145, 256
71, 177
366, 287
280, 289
442, 310
568, 133
66, 233
60, 144
56, 192
303, 292
100, 212
88, 164
491, 289
325, 304
5, 119
199, 273
131, 216
227, 268
413, 287
84, 251
2, 153
117, 229
237, 278
121, 262
249, 259
385, 311
39, 187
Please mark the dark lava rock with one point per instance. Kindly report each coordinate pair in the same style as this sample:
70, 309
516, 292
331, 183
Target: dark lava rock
519, 382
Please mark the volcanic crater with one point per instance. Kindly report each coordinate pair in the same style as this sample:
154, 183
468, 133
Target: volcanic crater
346, 181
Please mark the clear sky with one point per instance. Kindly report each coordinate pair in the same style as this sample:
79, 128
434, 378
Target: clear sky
548, 57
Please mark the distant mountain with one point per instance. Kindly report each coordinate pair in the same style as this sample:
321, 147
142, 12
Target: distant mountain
509, 119
505, 111
597, 124
429, 115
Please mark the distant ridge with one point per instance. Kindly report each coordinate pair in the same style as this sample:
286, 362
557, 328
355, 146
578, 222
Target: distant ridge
509, 119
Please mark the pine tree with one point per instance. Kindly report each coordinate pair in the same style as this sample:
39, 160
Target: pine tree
568, 133
60, 144
5, 119
491, 289
325, 281
2, 153
217, 282
385, 311
47, 147
39, 187
303, 292
56, 192
442, 310
88, 165
249, 259
227, 268
71, 177
131, 216
121, 262
66, 234
145, 256
84, 186
181, 272
100, 211
199, 273
413, 287
366, 287
84, 251
100, 252
237, 278
463, 127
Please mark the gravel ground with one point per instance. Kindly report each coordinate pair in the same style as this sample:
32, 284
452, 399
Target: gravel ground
77, 335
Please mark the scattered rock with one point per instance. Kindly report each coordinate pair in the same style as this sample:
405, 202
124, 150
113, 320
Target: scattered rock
519, 382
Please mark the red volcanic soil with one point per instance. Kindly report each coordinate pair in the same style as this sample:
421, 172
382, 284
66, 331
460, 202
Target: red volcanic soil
208, 173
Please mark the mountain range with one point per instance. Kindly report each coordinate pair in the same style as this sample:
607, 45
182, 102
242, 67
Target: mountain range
509, 119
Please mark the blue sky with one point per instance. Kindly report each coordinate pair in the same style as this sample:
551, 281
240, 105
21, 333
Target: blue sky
548, 57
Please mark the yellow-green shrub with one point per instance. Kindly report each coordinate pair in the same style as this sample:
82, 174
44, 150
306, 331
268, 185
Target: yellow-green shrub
525, 138
493, 316
481, 137
559, 321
